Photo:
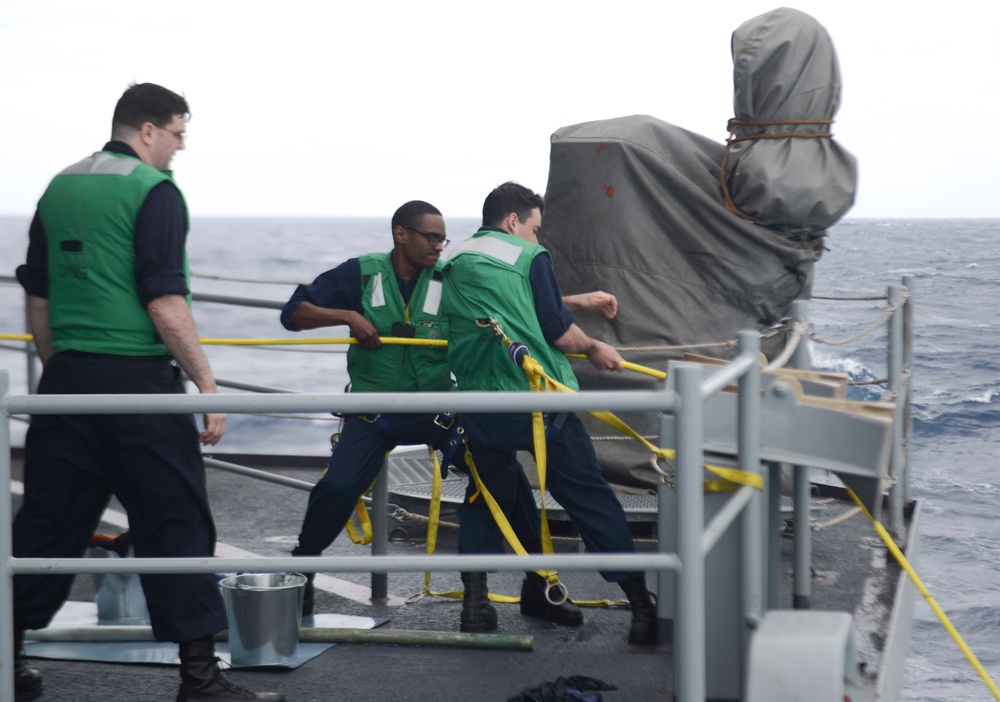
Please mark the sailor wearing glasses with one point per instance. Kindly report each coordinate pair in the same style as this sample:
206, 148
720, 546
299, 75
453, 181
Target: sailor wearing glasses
394, 294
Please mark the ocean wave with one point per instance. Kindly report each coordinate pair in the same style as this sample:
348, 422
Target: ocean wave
965, 418
855, 369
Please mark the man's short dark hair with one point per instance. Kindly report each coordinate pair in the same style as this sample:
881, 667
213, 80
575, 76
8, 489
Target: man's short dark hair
408, 213
147, 102
507, 198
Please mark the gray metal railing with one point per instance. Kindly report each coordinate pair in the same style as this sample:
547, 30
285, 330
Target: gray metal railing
686, 403
756, 510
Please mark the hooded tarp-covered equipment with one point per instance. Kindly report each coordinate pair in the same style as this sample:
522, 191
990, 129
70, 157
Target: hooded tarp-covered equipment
636, 207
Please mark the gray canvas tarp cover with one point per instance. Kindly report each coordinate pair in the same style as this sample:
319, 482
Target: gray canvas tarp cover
634, 206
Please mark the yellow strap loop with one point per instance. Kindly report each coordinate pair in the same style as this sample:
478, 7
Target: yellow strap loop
905, 565
366, 523
501, 518
366, 536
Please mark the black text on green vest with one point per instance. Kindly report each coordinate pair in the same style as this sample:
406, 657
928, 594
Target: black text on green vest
488, 277
88, 213
400, 368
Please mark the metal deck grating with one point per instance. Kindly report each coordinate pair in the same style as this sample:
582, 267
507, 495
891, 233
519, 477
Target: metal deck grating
410, 476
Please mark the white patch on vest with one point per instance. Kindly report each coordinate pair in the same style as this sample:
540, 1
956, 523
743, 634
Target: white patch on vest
487, 245
433, 299
378, 296
103, 164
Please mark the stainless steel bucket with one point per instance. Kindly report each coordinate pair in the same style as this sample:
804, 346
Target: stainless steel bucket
120, 600
264, 612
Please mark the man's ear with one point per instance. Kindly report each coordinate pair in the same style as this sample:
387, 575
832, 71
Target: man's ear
510, 222
146, 132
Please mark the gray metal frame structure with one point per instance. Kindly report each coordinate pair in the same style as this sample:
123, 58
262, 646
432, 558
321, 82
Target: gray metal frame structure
684, 405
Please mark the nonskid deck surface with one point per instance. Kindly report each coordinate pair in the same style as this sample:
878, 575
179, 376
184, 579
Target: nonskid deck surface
263, 518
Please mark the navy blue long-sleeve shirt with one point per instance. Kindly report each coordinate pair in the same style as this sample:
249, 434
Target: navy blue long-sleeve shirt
160, 237
340, 289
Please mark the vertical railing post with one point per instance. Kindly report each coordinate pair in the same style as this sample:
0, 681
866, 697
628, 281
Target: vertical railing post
753, 521
896, 387
802, 590
772, 485
30, 352
908, 387
665, 579
690, 645
6, 549
380, 533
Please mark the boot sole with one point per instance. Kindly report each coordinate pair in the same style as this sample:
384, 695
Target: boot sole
558, 619
31, 694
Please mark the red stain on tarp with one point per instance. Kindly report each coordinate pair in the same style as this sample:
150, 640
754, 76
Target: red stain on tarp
600, 148
609, 190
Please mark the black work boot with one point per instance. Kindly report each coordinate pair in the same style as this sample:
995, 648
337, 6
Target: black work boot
478, 615
201, 678
309, 591
27, 681
534, 603
644, 624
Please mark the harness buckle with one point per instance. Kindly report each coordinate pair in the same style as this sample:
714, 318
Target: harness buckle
448, 417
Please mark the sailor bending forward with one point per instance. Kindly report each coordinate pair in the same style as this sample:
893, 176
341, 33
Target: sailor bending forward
394, 294
502, 273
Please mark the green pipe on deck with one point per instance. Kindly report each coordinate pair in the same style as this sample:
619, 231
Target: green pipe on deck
397, 637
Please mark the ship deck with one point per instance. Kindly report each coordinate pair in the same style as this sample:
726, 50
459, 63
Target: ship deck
850, 574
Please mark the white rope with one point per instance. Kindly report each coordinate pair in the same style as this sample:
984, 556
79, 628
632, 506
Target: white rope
798, 332
684, 347
816, 526
889, 309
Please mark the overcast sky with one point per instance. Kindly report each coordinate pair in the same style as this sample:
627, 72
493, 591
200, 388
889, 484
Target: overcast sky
351, 108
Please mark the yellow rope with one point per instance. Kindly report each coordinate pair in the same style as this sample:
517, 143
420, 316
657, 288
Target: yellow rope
949, 627
730, 476
630, 366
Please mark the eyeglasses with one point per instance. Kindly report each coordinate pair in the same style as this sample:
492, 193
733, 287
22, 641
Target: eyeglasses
432, 239
181, 136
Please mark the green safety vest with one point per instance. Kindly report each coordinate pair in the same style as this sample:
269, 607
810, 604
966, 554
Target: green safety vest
488, 277
400, 368
88, 213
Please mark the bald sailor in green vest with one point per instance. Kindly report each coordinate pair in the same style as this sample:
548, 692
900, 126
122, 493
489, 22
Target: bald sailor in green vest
503, 273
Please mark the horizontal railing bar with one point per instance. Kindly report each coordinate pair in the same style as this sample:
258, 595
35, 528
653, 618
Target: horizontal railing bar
237, 385
350, 564
355, 403
239, 301
726, 375
725, 517
263, 475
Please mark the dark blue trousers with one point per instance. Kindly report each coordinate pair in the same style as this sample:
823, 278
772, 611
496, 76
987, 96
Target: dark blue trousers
152, 463
353, 466
573, 477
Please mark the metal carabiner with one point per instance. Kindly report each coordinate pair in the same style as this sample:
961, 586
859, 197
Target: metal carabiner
557, 585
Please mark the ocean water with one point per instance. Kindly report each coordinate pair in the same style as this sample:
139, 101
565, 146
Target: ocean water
955, 453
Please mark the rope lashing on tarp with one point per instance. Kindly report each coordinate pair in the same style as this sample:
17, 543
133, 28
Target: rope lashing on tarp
734, 123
